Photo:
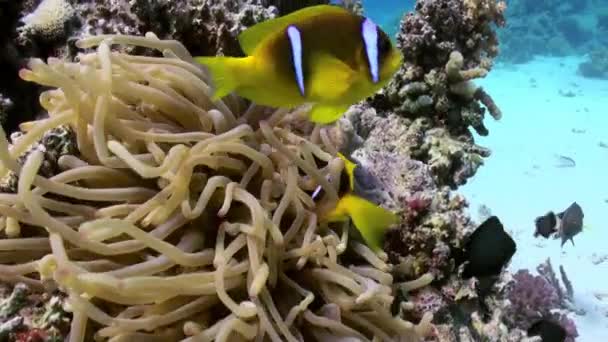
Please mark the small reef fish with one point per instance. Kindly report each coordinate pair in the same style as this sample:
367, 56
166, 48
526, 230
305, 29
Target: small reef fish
564, 225
371, 220
548, 330
571, 222
322, 55
486, 251
546, 225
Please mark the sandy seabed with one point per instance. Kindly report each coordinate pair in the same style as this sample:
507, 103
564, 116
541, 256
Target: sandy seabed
521, 181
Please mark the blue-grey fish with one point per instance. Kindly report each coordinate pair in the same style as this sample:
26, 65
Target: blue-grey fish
571, 222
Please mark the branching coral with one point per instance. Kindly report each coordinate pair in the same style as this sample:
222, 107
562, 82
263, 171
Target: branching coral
446, 44
536, 297
184, 219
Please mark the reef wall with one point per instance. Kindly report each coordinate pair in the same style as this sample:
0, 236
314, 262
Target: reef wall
446, 45
553, 28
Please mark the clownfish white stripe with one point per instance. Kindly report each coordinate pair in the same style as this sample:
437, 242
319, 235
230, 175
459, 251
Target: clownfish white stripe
295, 40
369, 32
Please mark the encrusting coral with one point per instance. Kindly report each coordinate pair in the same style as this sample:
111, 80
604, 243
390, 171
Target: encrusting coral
25, 308
432, 217
183, 219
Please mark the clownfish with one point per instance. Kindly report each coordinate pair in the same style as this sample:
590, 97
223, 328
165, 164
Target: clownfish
369, 219
322, 55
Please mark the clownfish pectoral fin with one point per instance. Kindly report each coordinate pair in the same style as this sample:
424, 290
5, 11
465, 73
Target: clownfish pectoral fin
251, 37
371, 220
326, 114
226, 73
330, 78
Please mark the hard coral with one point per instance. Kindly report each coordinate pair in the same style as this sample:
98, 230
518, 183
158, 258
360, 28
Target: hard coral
24, 317
48, 19
433, 218
54, 144
533, 297
204, 27
452, 161
446, 45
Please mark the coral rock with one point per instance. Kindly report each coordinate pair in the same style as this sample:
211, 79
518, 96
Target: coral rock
446, 45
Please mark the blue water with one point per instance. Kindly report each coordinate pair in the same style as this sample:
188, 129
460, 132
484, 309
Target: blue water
520, 181
387, 13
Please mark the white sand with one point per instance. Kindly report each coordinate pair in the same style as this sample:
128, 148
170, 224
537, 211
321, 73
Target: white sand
520, 181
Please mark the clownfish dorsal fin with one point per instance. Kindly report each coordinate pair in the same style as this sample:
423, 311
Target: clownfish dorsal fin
251, 37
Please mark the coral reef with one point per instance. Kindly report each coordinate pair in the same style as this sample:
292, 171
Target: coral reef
413, 144
534, 297
54, 144
205, 28
433, 222
552, 28
26, 315
446, 45
596, 65
48, 19
288, 6
433, 217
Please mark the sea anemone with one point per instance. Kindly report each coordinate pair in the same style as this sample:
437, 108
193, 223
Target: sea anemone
184, 219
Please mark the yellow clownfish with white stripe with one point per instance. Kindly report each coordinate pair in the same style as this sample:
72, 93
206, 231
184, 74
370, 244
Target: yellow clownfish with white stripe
322, 55
371, 220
